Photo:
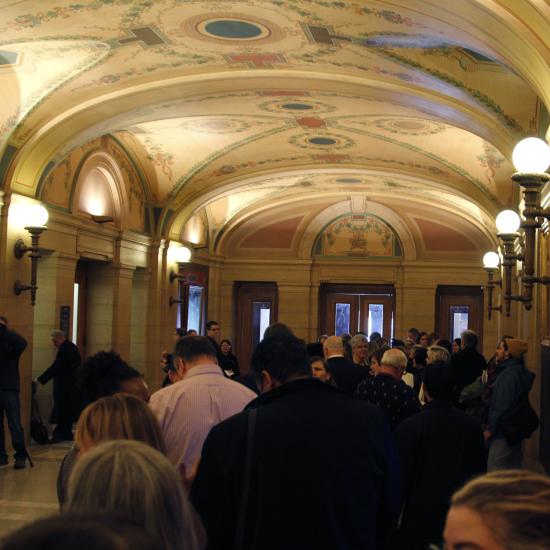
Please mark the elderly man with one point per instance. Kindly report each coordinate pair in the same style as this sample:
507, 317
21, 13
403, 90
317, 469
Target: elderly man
188, 409
387, 391
345, 374
305, 466
65, 395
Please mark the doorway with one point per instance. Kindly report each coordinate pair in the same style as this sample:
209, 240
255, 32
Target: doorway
347, 309
255, 309
459, 308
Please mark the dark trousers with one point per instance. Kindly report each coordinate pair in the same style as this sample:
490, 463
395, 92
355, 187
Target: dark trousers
9, 403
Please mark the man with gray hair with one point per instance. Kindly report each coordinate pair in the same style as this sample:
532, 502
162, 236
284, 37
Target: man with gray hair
438, 354
388, 392
345, 374
65, 396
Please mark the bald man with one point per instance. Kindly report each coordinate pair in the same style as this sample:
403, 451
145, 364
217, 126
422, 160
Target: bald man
345, 374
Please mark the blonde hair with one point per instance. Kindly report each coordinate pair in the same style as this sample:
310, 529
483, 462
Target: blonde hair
515, 504
119, 416
135, 481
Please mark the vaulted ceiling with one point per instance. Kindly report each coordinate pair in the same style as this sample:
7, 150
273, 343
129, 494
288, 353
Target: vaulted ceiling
247, 111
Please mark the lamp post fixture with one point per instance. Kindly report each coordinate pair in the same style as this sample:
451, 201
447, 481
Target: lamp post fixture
491, 263
37, 217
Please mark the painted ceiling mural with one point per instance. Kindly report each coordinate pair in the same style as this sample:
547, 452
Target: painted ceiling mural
227, 107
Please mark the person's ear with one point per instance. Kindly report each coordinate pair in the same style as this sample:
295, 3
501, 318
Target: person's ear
266, 382
179, 363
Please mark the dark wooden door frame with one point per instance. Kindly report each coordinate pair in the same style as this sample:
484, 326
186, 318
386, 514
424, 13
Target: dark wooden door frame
345, 288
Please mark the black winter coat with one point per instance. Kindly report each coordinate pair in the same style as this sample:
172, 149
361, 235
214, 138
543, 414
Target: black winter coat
324, 473
12, 346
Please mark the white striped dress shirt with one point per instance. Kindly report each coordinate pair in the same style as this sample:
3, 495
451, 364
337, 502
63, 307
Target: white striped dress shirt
188, 409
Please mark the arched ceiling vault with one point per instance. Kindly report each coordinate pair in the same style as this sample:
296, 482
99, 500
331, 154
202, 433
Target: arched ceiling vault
233, 109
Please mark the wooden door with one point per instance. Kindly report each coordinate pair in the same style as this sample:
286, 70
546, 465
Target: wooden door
377, 315
255, 309
459, 308
79, 307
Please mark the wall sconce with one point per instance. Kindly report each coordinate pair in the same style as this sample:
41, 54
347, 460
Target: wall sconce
508, 223
173, 301
182, 255
37, 217
491, 262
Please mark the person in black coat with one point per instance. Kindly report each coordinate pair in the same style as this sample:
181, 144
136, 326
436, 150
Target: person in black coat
66, 400
345, 374
468, 363
441, 447
12, 346
227, 360
323, 469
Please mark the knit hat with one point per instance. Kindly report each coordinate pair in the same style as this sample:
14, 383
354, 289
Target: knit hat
516, 348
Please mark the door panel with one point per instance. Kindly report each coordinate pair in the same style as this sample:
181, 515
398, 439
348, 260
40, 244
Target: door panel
352, 308
255, 310
459, 308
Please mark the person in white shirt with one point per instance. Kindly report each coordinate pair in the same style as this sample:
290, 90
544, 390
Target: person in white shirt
188, 409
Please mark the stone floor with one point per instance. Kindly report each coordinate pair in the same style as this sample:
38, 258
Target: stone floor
29, 494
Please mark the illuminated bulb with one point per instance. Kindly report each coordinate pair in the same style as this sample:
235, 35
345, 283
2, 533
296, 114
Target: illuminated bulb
182, 255
491, 260
507, 222
531, 156
36, 215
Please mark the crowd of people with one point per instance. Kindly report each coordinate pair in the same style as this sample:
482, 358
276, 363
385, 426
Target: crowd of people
344, 443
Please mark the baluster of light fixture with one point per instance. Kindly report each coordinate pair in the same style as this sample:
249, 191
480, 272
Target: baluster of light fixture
507, 223
491, 262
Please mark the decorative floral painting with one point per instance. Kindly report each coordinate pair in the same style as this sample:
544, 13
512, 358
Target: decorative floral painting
360, 235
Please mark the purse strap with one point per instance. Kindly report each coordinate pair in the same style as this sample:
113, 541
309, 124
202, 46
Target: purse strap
241, 517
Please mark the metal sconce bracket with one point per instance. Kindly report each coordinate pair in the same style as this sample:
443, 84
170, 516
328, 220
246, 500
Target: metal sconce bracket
173, 301
174, 276
491, 283
19, 250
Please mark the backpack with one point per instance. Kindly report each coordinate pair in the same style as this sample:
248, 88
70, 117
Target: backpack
519, 422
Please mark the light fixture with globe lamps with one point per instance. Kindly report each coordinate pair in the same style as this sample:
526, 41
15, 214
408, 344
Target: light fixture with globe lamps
491, 262
36, 217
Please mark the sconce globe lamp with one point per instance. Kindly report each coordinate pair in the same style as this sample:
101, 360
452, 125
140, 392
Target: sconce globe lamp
491, 262
507, 223
36, 217
182, 255
531, 156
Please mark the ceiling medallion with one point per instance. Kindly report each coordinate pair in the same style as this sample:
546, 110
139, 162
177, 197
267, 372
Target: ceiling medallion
295, 105
322, 142
236, 28
216, 126
409, 126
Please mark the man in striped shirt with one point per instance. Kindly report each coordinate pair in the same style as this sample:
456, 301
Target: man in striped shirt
188, 409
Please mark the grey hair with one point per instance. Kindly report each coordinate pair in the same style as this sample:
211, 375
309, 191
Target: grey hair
133, 479
438, 353
394, 358
358, 339
57, 332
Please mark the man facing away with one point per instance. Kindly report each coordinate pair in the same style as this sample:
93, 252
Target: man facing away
441, 447
63, 371
188, 409
345, 374
318, 469
12, 346
387, 391
468, 363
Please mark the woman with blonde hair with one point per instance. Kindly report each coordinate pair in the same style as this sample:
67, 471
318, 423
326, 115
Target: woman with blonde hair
504, 510
119, 416
136, 482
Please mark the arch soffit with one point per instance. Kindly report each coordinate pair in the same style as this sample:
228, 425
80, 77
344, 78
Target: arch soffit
32, 161
118, 184
320, 221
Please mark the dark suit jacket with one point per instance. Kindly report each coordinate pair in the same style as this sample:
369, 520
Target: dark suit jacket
467, 364
324, 473
440, 448
12, 346
345, 374
63, 371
